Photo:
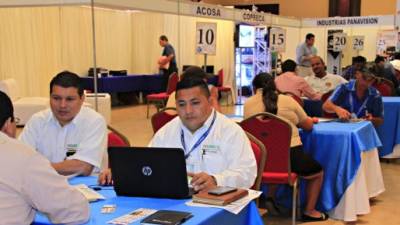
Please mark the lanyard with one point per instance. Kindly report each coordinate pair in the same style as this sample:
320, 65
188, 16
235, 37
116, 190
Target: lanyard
361, 107
201, 139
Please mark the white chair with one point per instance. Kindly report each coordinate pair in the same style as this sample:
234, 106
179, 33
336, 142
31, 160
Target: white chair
24, 107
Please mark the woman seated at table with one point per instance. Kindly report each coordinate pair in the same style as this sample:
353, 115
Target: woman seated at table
268, 100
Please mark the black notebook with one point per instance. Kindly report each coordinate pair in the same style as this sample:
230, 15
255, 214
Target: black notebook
166, 217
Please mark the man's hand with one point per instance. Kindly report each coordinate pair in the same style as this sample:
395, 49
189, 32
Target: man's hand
342, 113
105, 177
368, 116
202, 181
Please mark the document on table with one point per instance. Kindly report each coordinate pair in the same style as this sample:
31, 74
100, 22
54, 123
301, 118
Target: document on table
234, 207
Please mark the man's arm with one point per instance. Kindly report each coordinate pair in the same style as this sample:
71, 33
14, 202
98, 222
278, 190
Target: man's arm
50, 193
91, 148
73, 166
309, 92
330, 107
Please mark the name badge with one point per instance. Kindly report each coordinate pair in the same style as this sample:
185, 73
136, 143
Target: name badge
212, 149
71, 149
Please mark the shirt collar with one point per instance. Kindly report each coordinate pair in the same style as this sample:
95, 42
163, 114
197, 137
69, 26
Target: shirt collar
351, 86
205, 126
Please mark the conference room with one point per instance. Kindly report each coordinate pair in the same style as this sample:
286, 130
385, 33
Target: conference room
116, 48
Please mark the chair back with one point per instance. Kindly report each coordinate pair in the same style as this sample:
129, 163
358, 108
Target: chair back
325, 97
384, 86
295, 97
10, 88
172, 82
220, 82
116, 139
275, 133
261, 156
161, 118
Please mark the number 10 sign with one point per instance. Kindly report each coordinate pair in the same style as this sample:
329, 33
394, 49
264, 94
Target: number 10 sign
206, 36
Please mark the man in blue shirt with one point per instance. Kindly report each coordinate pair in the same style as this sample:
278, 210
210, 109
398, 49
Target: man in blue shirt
168, 61
358, 63
357, 99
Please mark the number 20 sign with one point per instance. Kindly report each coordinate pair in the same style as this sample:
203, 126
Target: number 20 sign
206, 37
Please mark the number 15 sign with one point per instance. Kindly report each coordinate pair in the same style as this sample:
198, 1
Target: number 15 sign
206, 37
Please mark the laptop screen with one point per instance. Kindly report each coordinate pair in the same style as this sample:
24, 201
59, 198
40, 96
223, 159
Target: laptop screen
149, 172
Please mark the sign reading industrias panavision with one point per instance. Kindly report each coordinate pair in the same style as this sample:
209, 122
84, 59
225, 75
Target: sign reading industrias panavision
348, 21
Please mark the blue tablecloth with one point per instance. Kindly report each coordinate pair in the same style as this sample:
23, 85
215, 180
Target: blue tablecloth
152, 83
313, 108
145, 83
338, 147
389, 132
201, 215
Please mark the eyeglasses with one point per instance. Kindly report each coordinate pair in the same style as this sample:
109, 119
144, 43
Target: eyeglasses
16, 120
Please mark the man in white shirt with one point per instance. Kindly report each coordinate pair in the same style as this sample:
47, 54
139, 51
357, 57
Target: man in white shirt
217, 150
28, 183
322, 81
73, 137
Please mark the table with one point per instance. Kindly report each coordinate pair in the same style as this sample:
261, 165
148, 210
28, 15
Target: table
201, 215
352, 173
150, 83
389, 131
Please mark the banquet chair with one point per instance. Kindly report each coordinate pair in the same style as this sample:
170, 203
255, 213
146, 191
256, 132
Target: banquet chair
159, 119
295, 97
116, 139
260, 153
384, 86
275, 133
159, 99
222, 88
323, 99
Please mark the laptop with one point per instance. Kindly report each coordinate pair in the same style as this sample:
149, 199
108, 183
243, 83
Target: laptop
149, 172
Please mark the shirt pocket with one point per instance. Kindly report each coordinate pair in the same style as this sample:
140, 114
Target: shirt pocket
212, 160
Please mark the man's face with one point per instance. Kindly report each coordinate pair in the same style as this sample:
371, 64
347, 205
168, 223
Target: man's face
318, 67
310, 42
193, 107
359, 65
162, 43
65, 103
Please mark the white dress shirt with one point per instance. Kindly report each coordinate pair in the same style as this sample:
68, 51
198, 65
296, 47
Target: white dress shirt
86, 134
327, 83
28, 184
225, 153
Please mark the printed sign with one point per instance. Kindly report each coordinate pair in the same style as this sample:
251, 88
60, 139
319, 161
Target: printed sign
206, 37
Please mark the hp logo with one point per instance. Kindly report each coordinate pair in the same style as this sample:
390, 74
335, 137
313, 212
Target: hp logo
146, 170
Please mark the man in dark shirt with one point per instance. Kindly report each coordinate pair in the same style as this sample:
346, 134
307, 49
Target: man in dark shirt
167, 62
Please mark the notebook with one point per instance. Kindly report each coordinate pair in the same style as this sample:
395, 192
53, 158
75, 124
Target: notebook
149, 172
166, 217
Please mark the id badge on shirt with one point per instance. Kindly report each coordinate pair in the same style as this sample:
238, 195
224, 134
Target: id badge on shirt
71, 149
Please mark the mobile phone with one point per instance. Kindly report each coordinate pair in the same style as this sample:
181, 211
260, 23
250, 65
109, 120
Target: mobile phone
221, 190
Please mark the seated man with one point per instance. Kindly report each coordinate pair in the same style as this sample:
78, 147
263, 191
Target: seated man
217, 150
357, 99
28, 183
288, 81
386, 70
358, 63
322, 81
73, 137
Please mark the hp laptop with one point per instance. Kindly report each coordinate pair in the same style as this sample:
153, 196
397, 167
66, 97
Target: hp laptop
149, 172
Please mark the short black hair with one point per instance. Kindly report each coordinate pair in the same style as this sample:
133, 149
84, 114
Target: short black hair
194, 71
192, 82
6, 109
396, 55
379, 59
309, 36
289, 66
359, 59
163, 38
67, 79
